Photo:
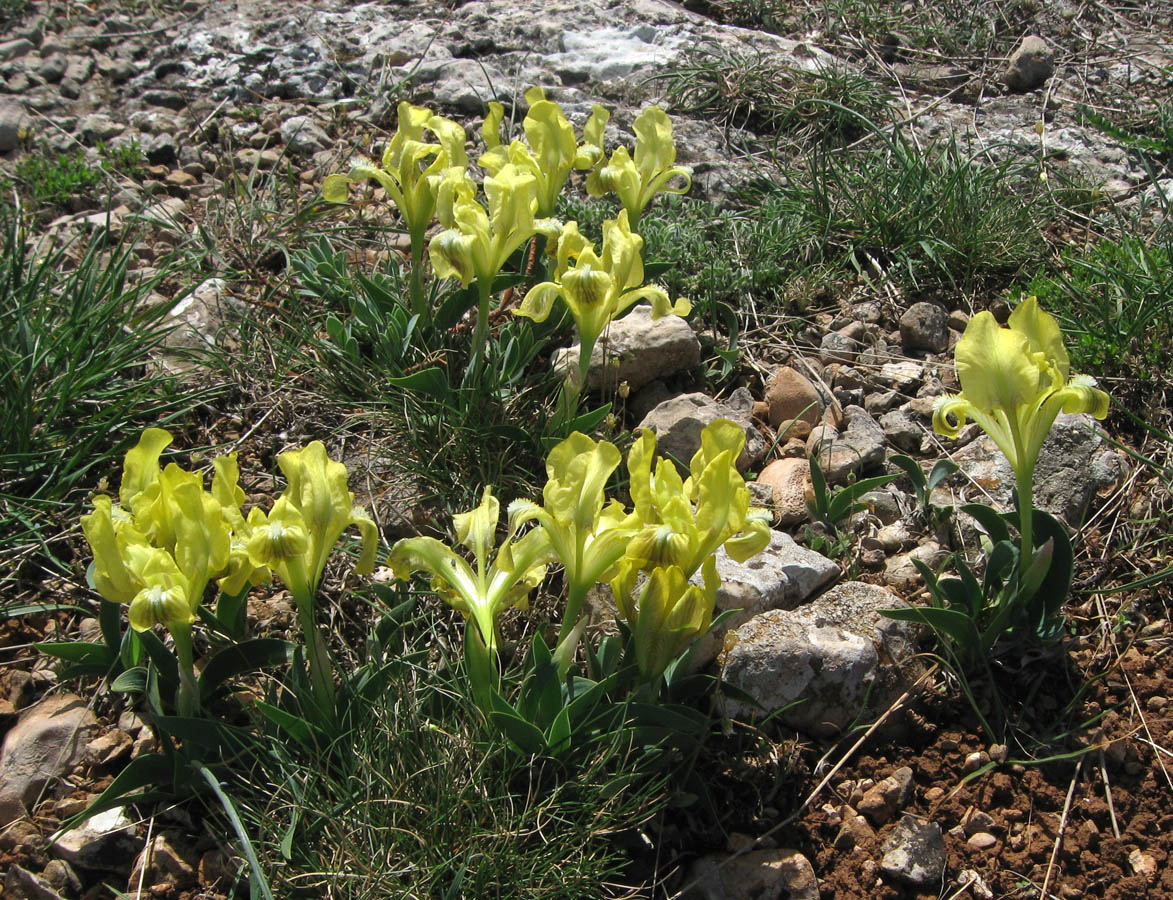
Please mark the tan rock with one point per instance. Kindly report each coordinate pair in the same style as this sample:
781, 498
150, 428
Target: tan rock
790, 480
791, 395
760, 873
165, 861
982, 840
47, 743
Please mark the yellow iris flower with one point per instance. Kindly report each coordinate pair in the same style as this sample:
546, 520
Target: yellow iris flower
484, 592
164, 541
411, 167
298, 534
597, 288
636, 181
684, 522
588, 535
552, 150
1014, 382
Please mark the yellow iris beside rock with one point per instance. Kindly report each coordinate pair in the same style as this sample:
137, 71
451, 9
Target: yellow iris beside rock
1014, 382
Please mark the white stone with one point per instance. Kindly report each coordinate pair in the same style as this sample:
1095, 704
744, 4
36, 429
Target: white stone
824, 664
636, 349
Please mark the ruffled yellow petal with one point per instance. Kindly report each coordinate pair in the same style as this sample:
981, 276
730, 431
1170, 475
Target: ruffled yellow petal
994, 365
140, 466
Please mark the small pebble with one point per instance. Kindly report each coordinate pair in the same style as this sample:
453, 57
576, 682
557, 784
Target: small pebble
1143, 864
978, 821
975, 761
982, 840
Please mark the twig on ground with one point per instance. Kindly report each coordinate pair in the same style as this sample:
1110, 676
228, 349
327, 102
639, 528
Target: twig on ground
1062, 828
1108, 796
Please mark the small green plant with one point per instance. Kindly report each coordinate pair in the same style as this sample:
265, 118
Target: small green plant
125, 158
368, 322
433, 805
1116, 299
59, 180
832, 507
1014, 382
923, 484
1151, 137
78, 348
750, 90
925, 217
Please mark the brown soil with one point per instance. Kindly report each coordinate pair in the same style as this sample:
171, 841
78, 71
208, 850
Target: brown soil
1088, 814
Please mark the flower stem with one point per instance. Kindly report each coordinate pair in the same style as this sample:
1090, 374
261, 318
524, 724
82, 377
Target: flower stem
418, 302
188, 700
318, 657
575, 598
1025, 482
480, 337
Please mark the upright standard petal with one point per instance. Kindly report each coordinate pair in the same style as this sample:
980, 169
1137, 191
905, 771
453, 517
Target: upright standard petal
140, 466
994, 365
477, 528
1043, 335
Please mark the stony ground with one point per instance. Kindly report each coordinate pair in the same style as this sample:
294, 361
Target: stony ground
211, 90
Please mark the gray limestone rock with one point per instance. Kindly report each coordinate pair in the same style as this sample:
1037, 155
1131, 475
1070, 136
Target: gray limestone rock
103, 841
466, 85
161, 149
13, 121
15, 49
914, 853
636, 349
203, 318
904, 376
836, 347
1074, 465
678, 424
1030, 65
857, 449
53, 67
46, 743
903, 428
302, 135
782, 576
825, 664
79, 69
21, 884
925, 326
98, 127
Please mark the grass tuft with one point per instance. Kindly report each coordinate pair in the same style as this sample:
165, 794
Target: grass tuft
430, 807
77, 377
751, 90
